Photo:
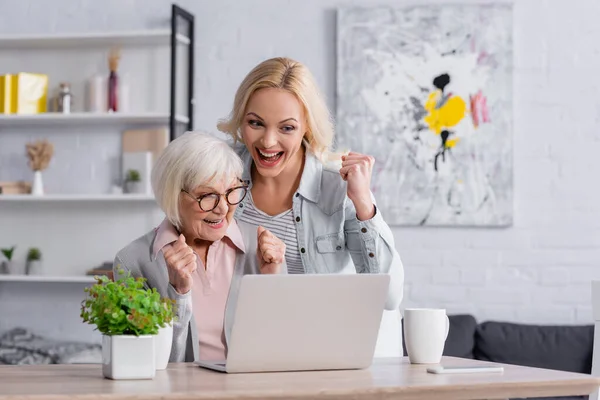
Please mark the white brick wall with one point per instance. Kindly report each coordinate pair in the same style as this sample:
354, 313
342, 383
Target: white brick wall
536, 271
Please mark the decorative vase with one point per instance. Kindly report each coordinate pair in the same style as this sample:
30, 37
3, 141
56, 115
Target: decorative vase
37, 188
12, 268
34, 267
133, 187
128, 357
162, 343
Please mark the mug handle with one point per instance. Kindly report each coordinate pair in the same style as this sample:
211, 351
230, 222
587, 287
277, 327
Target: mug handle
447, 327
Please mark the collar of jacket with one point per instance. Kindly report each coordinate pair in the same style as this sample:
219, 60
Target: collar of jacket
310, 183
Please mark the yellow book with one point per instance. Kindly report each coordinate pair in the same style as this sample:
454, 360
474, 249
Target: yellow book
6, 94
29, 93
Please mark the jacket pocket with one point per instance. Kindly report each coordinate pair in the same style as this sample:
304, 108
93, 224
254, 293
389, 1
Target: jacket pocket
353, 242
330, 243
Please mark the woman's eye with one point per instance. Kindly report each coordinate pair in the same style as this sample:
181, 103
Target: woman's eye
254, 122
288, 128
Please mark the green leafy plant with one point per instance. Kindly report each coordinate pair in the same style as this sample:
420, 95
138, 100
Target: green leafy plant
125, 306
34, 254
8, 253
133, 175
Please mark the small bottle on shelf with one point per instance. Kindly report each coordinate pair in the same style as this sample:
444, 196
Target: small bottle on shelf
113, 80
64, 99
97, 94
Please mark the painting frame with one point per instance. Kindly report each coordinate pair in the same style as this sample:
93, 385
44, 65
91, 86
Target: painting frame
477, 190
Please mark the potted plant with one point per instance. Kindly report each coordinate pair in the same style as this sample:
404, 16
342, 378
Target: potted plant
129, 317
7, 266
133, 182
34, 261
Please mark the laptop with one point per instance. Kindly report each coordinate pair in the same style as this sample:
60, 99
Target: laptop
304, 322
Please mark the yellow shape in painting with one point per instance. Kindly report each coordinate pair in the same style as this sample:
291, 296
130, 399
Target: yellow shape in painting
451, 142
446, 116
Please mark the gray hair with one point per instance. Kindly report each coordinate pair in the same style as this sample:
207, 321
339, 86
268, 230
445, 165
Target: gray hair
193, 159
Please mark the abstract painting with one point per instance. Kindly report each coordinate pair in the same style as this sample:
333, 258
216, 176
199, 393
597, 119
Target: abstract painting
427, 91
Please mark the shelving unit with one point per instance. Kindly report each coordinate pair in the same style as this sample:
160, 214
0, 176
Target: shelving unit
87, 118
44, 279
160, 64
70, 57
77, 198
124, 39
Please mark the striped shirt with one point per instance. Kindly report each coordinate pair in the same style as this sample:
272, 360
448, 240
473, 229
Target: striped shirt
282, 226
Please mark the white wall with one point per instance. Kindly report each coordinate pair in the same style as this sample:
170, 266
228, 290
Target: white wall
536, 271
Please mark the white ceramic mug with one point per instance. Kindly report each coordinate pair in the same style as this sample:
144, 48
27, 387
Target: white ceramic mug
425, 333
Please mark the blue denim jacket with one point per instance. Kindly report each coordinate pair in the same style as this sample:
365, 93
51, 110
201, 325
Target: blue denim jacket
331, 239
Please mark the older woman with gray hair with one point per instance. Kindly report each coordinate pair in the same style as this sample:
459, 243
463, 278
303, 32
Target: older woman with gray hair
199, 250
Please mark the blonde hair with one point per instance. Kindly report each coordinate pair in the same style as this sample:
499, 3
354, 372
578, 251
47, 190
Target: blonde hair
193, 159
287, 74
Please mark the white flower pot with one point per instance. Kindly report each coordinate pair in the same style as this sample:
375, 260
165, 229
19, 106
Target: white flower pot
5, 267
162, 343
128, 357
133, 187
12, 268
34, 267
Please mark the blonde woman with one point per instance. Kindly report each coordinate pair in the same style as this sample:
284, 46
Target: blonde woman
325, 213
199, 251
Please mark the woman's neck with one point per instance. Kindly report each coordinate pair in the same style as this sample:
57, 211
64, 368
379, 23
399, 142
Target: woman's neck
200, 247
274, 195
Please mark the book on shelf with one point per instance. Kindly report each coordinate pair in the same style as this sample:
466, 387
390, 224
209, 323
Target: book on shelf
143, 140
104, 269
17, 187
23, 93
141, 147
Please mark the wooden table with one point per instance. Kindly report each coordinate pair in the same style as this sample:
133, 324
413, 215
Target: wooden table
386, 379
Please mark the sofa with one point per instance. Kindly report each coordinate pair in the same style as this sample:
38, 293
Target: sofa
20, 346
565, 348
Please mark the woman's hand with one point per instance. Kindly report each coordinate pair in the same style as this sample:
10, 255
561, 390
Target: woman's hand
181, 264
356, 170
270, 251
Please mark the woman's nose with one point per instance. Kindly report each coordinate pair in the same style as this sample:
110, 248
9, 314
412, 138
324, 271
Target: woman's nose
222, 207
269, 139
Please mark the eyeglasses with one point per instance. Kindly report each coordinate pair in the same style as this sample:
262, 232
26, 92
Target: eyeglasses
209, 201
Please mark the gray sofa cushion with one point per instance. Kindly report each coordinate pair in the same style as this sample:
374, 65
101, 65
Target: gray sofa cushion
565, 348
20, 346
461, 336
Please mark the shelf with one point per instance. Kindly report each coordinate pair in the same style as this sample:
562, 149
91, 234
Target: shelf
87, 118
42, 278
133, 38
77, 197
